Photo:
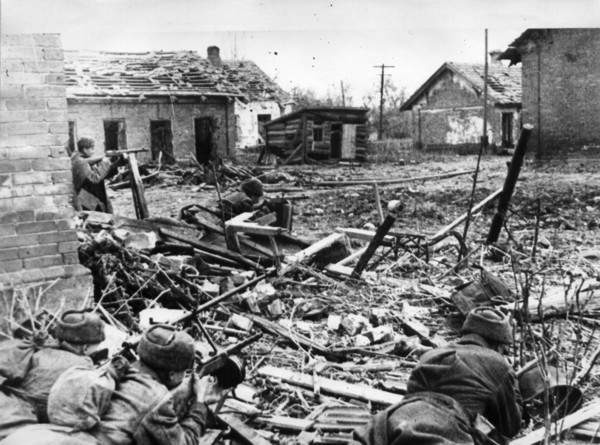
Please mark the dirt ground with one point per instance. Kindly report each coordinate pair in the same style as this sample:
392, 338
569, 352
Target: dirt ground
561, 198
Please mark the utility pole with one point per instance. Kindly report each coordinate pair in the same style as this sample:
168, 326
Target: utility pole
380, 130
343, 96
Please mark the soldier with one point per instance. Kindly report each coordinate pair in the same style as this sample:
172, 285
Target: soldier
249, 198
454, 389
88, 178
28, 370
153, 403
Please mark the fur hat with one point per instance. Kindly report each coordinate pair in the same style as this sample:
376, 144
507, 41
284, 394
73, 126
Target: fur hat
252, 187
162, 347
490, 323
80, 327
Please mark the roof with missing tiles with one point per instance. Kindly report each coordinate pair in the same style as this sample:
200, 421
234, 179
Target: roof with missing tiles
176, 73
504, 83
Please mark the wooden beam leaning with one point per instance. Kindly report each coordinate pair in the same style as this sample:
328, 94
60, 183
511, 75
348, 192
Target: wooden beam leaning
137, 188
334, 387
380, 234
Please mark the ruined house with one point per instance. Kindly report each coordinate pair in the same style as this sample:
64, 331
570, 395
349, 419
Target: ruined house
333, 133
177, 103
447, 110
37, 244
561, 87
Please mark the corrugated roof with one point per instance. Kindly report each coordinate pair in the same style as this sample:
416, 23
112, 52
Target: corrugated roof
504, 83
117, 74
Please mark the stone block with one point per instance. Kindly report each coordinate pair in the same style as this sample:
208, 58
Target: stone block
56, 103
50, 116
53, 189
68, 246
38, 250
19, 165
13, 116
7, 266
70, 258
5, 192
47, 40
9, 254
49, 164
26, 152
44, 91
32, 177
22, 190
56, 237
26, 128
7, 230
32, 202
43, 261
17, 217
36, 227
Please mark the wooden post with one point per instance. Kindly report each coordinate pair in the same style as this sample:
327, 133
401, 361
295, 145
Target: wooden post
378, 203
509, 185
137, 189
380, 234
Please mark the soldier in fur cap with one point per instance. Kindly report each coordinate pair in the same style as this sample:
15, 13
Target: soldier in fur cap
454, 388
154, 404
28, 370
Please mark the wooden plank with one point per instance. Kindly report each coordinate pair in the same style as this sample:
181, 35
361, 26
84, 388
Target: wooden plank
241, 430
567, 422
137, 189
383, 181
286, 423
313, 249
254, 229
352, 256
362, 234
476, 208
333, 387
377, 240
339, 269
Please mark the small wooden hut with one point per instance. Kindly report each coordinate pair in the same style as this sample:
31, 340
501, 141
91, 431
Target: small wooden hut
319, 133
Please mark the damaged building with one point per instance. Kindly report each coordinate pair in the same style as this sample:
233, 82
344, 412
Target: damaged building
561, 86
177, 103
447, 110
325, 133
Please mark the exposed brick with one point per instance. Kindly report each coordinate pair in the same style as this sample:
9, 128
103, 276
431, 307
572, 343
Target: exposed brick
26, 152
13, 116
54, 103
40, 90
16, 217
70, 258
49, 116
6, 192
7, 230
61, 177
58, 151
36, 227
32, 202
32, 177
43, 261
56, 237
11, 91
25, 104
22, 190
9, 254
53, 189
38, 250
17, 128
5, 180
68, 246
8, 266
49, 164
46, 216
63, 224
17, 241
20, 165
27, 139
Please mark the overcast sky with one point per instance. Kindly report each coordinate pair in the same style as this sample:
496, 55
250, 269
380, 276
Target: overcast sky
309, 43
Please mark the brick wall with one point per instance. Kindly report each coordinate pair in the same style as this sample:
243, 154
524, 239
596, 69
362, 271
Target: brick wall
37, 244
564, 67
452, 116
89, 116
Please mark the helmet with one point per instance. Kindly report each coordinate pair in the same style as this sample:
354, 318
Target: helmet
490, 323
80, 327
164, 348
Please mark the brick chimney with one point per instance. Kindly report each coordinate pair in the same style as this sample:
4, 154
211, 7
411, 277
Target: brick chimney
212, 53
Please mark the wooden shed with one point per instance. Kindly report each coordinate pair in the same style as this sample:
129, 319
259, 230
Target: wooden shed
318, 133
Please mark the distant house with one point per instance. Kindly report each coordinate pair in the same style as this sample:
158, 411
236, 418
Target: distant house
318, 133
447, 110
176, 103
561, 86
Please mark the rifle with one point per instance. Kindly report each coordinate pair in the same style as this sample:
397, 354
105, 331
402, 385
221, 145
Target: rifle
113, 153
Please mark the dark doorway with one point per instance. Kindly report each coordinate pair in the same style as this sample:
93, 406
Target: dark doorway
336, 141
161, 140
262, 119
72, 137
204, 128
507, 129
114, 134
